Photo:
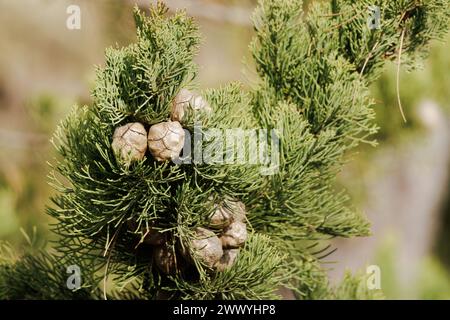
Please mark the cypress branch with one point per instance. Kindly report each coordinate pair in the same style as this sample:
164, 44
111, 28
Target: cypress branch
314, 74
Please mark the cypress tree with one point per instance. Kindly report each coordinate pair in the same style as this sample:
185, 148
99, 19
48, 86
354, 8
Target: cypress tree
138, 222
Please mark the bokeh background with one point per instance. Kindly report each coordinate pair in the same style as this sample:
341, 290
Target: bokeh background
402, 185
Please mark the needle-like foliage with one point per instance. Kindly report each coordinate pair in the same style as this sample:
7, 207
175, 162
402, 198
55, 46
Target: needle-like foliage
313, 90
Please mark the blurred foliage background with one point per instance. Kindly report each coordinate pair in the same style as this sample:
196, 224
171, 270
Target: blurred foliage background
402, 184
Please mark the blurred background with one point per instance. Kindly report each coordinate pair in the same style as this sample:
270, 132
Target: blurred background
402, 185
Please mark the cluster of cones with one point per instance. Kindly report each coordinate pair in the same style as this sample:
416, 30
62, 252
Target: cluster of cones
215, 247
164, 140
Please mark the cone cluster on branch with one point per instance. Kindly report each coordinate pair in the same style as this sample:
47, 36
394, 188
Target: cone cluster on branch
164, 140
312, 69
216, 248
219, 251
230, 217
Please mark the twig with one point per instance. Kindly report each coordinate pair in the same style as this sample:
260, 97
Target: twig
368, 58
344, 22
108, 245
398, 75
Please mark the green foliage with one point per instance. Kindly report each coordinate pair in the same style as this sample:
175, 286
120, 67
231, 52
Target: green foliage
312, 89
39, 275
320, 67
99, 197
420, 21
260, 267
315, 71
326, 112
149, 71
